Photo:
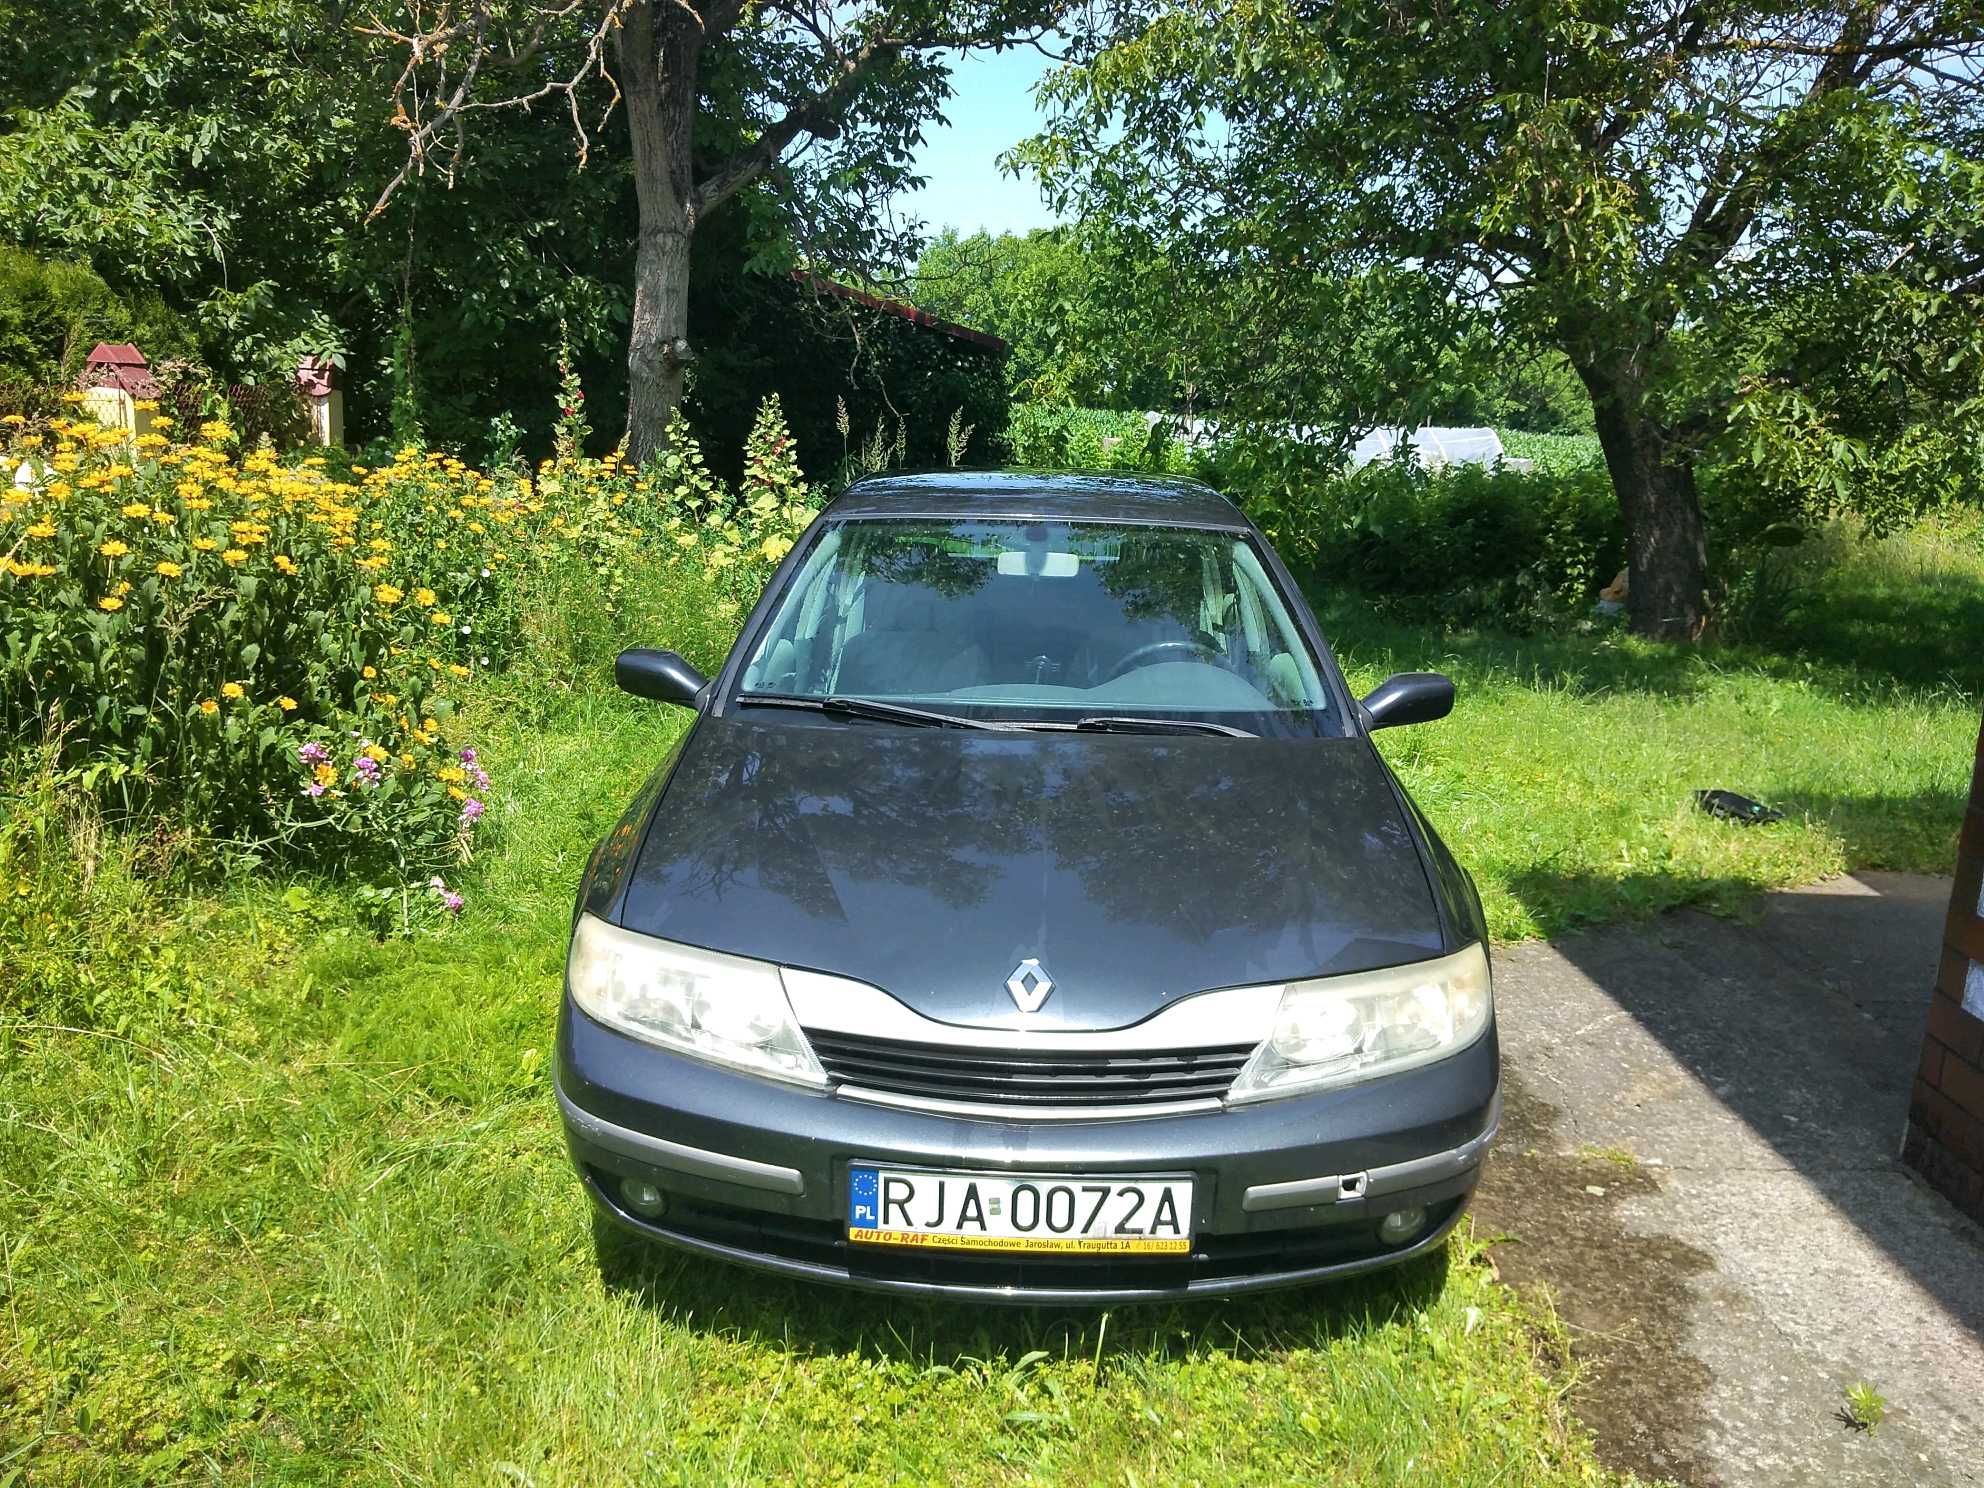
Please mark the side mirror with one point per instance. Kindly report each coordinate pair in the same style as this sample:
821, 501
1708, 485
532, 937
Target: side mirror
1410, 697
661, 675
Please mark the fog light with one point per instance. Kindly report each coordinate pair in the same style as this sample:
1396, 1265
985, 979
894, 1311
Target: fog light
1401, 1225
642, 1197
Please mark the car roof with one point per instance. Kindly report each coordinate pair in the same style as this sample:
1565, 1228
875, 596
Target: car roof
1073, 495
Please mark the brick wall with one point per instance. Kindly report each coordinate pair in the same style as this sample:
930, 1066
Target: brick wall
1945, 1141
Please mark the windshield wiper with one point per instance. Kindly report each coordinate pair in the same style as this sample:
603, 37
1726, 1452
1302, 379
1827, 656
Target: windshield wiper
1134, 725
854, 707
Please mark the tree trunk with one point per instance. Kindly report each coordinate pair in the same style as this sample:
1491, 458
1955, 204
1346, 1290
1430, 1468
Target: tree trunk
1666, 540
659, 56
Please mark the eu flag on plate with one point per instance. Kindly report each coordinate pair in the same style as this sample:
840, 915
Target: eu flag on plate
863, 1198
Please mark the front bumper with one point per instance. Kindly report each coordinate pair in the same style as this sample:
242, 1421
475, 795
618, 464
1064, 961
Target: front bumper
756, 1172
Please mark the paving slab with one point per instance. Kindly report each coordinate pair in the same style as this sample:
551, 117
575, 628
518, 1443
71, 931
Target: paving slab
1700, 1164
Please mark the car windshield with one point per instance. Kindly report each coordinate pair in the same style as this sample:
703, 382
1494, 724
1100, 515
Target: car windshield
1043, 622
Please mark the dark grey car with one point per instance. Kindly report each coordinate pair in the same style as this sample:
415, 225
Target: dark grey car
1027, 915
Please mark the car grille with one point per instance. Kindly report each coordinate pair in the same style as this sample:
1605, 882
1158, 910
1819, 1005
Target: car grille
1020, 1078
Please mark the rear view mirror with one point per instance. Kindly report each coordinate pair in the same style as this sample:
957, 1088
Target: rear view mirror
661, 675
1409, 697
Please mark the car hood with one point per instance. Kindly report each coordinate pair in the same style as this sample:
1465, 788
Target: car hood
1137, 869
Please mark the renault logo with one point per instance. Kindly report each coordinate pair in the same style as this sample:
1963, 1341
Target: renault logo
1029, 985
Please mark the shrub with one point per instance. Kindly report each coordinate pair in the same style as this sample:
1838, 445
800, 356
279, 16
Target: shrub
841, 365
52, 313
1469, 545
1048, 437
277, 653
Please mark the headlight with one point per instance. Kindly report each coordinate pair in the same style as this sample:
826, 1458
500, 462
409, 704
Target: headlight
1334, 1030
726, 1009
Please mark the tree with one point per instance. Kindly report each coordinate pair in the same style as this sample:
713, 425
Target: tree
1033, 291
815, 103
222, 155
1754, 227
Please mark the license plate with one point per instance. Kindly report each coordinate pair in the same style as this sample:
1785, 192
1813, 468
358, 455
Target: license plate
1019, 1211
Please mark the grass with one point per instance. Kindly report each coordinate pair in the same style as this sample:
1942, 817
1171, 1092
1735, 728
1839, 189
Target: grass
281, 1203
1565, 777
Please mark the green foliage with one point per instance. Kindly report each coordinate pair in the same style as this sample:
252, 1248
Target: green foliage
53, 313
223, 155
1536, 394
1552, 453
1050, 437
1751, 228
278, 656
1034, 292
840, 368
1866, 1407
1467, 545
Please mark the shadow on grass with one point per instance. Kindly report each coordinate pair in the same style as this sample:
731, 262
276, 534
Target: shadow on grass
691, 1291
1854, 648
1876, 831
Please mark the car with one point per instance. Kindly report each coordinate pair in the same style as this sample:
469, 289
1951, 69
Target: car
1026, 916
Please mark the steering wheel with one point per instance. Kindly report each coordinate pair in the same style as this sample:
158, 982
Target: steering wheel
1145, 655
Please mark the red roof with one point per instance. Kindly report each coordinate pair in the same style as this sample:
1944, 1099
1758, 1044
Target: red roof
119, 365
316, 376
907, 311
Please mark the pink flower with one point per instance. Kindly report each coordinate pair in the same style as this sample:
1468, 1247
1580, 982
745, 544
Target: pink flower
313, 789
472, 810
313, 753
452, 902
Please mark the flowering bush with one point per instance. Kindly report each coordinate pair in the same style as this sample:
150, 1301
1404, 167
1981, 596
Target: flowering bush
279, 651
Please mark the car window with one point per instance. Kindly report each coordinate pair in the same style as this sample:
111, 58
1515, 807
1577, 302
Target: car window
1043, 620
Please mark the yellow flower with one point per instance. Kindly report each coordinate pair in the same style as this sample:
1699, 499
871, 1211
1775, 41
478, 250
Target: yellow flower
43, 528
458, 670
110, 602
368, 674
209, 706
113, 549
440, 617
233, 691
168, 570
424, 598
13, 418
387, 595
287, 704
286, 564
374, 753
233, 556
136, 509
325, 774
205, 544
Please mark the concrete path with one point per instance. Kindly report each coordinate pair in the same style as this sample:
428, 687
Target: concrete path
1699, 1162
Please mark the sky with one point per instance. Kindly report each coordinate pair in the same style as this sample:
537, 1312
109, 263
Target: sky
990, 111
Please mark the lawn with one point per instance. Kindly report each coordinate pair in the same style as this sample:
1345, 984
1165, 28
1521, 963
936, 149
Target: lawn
284, 1203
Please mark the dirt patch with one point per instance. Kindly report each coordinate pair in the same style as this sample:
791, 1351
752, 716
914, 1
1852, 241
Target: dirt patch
1625, 1298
